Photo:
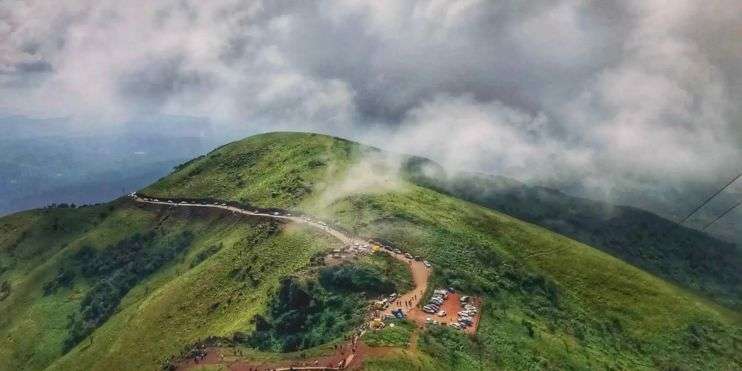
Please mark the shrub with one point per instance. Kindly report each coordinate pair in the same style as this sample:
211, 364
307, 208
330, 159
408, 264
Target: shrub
116, 269
64, 278
350, 278
303, 315
205, 254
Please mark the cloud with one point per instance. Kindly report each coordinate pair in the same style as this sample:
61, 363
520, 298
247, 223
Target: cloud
602, 98
375, 172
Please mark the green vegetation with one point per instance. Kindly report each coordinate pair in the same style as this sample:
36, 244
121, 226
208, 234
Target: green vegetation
369, 276
304, 314
164, 308
395, 334
388, 268
549, 301
452, 348
205, 254
272, 170
683, 255
116, 269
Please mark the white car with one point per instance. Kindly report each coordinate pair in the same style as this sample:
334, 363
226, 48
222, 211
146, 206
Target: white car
427, 263
442, 313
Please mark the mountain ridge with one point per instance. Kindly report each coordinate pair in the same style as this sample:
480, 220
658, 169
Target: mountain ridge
550, 301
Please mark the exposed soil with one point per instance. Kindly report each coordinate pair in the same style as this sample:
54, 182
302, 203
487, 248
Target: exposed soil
349, 355
409, 301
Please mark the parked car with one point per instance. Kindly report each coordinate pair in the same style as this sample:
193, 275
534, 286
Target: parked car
441, 292
442, 313
427, 263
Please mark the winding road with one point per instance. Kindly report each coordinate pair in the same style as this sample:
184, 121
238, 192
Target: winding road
420, 272
297, 219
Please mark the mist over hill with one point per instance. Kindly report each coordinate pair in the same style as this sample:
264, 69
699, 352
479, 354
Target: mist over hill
675, 252
133, 285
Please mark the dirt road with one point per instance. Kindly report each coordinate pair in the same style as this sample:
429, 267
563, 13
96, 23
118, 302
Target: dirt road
409, 301
296, 219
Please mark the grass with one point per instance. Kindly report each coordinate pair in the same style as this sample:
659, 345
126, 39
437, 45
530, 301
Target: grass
395, 334
521, 265
177, 305
403, 360
550, 302
277, 169
391, 268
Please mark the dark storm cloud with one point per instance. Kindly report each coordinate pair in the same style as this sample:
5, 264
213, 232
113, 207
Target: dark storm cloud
606, 97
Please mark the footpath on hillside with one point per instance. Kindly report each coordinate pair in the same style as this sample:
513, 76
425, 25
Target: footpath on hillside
348, 355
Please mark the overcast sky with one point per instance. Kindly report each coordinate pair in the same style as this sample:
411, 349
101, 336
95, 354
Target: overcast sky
635, 95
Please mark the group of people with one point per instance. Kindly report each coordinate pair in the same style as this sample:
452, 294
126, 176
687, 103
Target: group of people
407, 303
199, 353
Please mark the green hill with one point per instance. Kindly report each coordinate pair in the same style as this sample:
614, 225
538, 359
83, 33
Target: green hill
683, 255
126, 286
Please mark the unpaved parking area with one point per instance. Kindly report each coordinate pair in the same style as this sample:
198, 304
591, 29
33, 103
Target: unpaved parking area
451, 306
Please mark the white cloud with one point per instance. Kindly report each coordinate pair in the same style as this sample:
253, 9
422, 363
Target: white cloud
610, 95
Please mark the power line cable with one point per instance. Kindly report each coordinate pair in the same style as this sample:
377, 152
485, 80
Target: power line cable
667, 231
729, 210
710, 198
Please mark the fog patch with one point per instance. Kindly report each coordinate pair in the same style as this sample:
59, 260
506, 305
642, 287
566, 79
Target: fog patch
374, 173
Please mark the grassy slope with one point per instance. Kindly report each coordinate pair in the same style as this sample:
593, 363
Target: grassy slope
644, 239
550, 301
609, 313
276, 170
176, 306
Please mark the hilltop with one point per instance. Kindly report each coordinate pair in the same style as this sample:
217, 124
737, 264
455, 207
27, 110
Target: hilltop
126, 286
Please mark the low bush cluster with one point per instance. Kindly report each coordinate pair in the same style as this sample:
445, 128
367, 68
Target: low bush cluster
205, 254
395, 334
359, 279
303, 314
4, 290
63, 279
115, 270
